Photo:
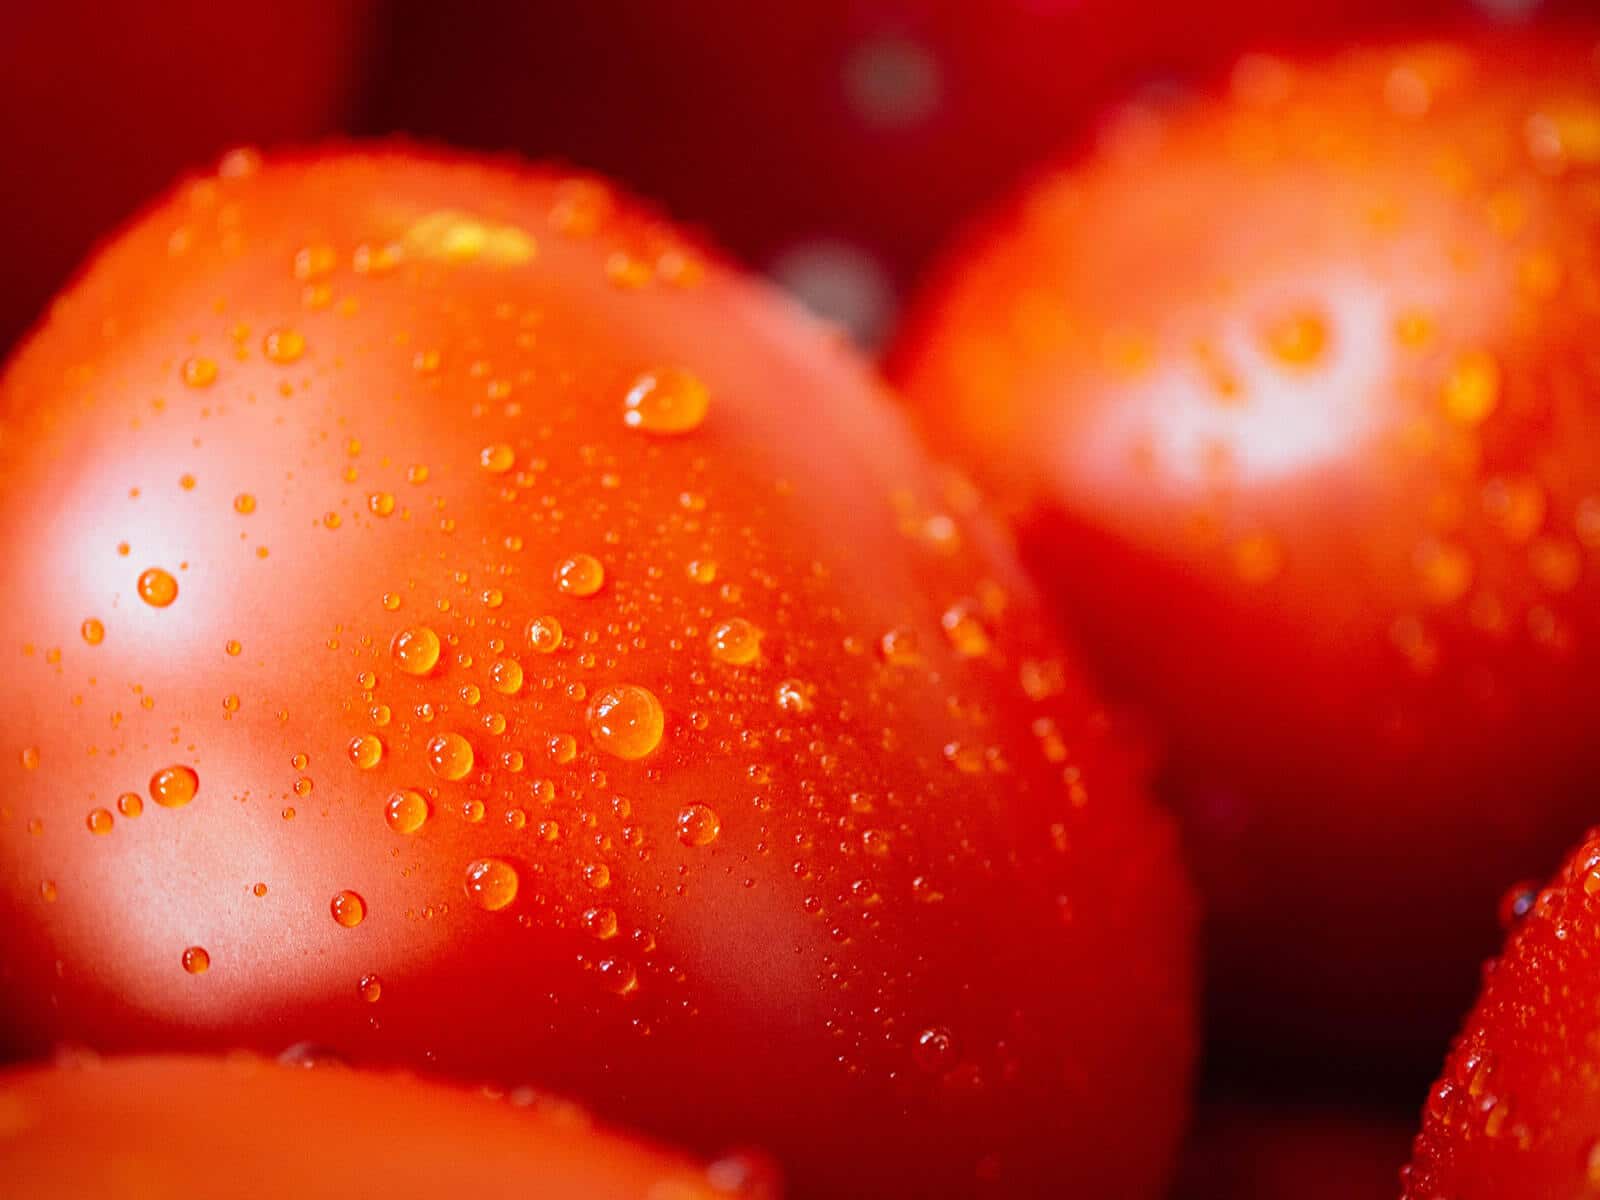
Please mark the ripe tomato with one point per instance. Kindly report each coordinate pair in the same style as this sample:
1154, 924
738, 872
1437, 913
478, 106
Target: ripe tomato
457, 621
101, 104
1291, 392
244, 1127
1516, 1111
1252, 1151
837, 148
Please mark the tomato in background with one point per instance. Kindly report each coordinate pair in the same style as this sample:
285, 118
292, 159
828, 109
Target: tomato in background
1241, 1150
102, 104
833, 143
244, 1128
453, 620
1291, 391
1516, 1110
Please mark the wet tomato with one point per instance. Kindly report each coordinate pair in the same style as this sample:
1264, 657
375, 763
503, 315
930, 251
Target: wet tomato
247, 1128
102, 104
454, 620
1291, 391
1516, 1111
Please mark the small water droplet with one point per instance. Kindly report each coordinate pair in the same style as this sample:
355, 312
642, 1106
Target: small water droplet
698, 825
199, 372
94, 631
366, 751
580, 575
157, 588
416, 651
491, 883
100, 821
196, 960
735, 641
626, 720
450, 756
348, 909
175, 786
283, 345
667, 401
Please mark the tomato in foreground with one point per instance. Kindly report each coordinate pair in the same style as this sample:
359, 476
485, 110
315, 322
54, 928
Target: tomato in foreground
1516, 1112
167, 1128
453, 620
1291, 392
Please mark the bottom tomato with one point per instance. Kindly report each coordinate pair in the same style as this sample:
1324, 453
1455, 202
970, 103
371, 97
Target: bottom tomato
247, 1127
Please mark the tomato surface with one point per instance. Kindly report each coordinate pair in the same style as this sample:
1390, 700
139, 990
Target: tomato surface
838, 147
1516, 1111
102, 104
1291, 391
242, 1128
454, 620
1255, 1151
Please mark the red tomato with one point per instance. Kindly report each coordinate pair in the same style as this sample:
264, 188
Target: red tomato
240, 1128
836, 147
533, 650
1291, 391
1516, 1112
1243, 1151
101, 104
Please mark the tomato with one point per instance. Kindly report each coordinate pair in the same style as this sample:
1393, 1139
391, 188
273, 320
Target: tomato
838, 147
1289, 390
101, 104
246, 1127
454, 620
1252, 1151
1516, 1112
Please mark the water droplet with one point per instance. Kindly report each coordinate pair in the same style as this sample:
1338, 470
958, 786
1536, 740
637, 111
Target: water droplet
157, 588
1297, 340
618, 975
667, 401
497, 459
406, 811
450, 756
580, 575
370, 989
283, 345
506, 676
100, 821
601, 922
94, 632
936, 1050
48, 891
415, 651
544, 634
30, 758
381, 504
199, 372
698, 825
175, 786
129, 804
901, 647
232, 648
626, 720
366, 751
793, 696
196, 961
492, 883
735, 641
1473, 390
259, 890
348, 909
965, 630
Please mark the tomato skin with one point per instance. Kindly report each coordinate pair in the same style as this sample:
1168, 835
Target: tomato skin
893, 909
1514, 1112
101, 105
172, 1127
1285, 390
839, 149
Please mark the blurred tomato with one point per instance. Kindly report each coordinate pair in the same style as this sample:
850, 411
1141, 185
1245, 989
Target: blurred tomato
245, 1128
456, 621
836, 145
102, 103
1292, 393
1516, 1111
1246, 1151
